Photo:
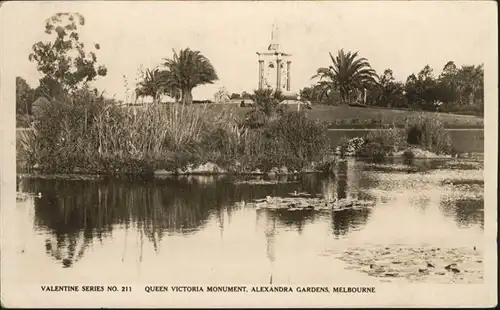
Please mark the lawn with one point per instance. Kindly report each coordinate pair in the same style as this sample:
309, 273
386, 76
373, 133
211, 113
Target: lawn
364, 117
345, 117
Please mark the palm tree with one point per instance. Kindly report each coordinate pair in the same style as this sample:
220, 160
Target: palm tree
154, 84
348, 74
267, 101
187, 70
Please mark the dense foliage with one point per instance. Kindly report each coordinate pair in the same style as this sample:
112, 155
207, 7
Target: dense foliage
90, 134
351, 80
422, 132
25, 96
63, 61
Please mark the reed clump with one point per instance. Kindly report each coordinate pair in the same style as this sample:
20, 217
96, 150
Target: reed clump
428, 133
88, 134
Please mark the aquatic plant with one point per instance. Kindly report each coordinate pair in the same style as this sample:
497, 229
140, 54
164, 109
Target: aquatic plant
428, 132
349, 147
372, 150
88, 134
293, 141
393, 139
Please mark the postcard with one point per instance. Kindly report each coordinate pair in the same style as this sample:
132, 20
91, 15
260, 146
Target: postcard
161, 154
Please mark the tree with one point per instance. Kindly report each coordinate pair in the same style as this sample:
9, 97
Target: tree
187, 70
221, 95
449, 73
348, 74
63, 61
308, 94
245, 95
235, 96
25, 96
411, 89
447, 84
389, 91
471, 82
267, 101
154, 84
422, 89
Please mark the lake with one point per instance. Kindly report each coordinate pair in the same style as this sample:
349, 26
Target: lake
201, 229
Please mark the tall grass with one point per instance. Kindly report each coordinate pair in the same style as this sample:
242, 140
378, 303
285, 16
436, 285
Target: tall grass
428, 132
88, 134
392, 139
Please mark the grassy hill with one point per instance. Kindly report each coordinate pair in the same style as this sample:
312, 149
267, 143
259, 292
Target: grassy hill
368, 117
343, 116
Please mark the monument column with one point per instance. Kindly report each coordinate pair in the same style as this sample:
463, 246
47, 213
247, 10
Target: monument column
261, 74
278, 74
288, 75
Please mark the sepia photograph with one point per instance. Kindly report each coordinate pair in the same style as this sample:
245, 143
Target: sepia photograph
248, 153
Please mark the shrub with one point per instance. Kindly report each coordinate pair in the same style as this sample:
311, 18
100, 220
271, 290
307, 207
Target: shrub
392, 139
351, 146
255, 119
327, 166
23, 120
429, 133
269, 102
63, 136
340, 149
408, 154
294, 141
372, 150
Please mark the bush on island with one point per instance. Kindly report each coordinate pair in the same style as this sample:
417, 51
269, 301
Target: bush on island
373, 151
88, 134
428, 132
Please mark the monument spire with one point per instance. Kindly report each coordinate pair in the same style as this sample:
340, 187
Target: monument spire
275, 65
274, 45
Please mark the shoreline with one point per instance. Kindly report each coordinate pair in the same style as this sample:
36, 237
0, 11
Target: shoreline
201, 173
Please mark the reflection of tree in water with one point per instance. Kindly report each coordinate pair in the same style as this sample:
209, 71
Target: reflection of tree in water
349, 184
345, 221
466, 212
292, 219
271, 239
342, 180
77, 212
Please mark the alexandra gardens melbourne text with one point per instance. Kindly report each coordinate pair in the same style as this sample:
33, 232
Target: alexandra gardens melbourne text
259, 289
210, 289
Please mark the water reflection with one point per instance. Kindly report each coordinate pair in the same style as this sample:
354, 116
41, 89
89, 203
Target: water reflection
345, 221
466, 212
74, 216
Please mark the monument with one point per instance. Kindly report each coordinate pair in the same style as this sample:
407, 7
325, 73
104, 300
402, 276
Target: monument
275, 67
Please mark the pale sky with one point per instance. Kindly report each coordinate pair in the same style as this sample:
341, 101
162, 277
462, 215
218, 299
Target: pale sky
401, 35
